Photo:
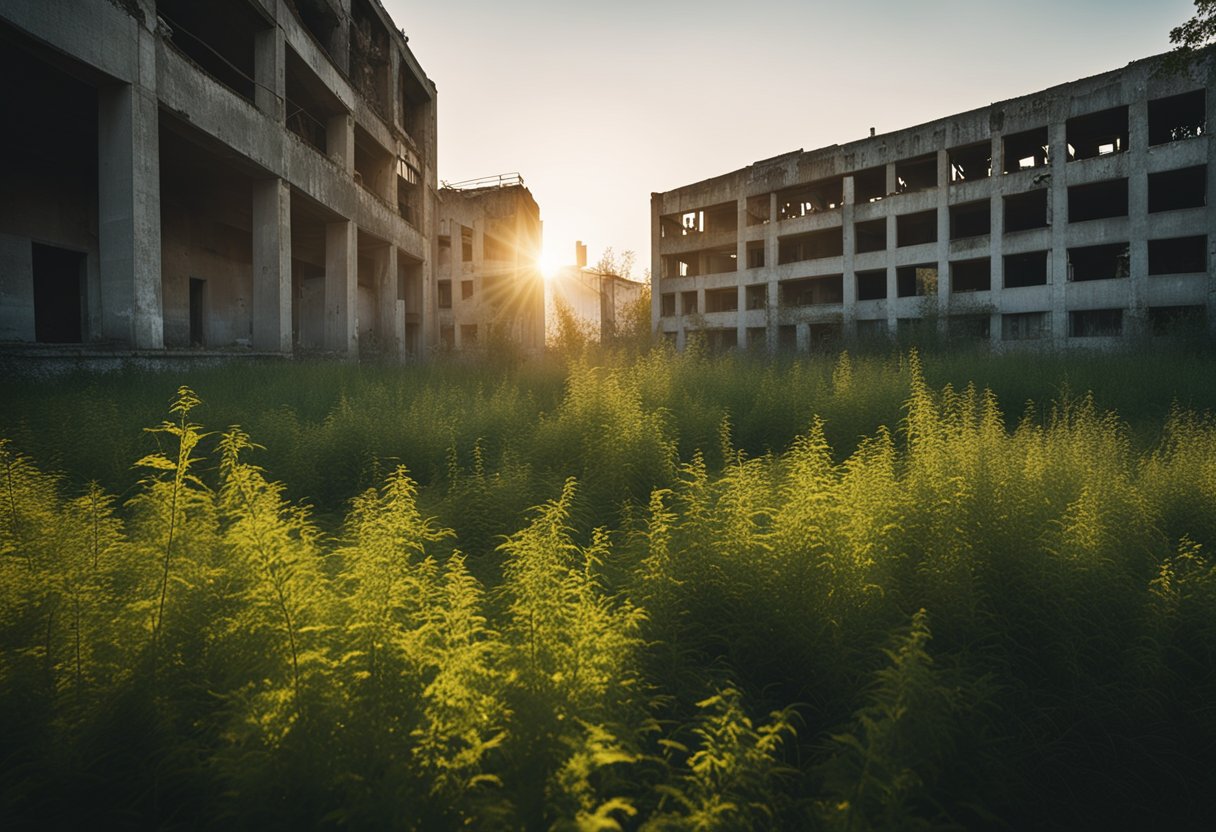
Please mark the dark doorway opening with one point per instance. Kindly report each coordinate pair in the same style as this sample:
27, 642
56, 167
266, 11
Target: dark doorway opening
58, 295
198, 288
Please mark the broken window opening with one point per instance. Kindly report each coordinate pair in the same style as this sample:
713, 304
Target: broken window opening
916, 229
1095, 323
1174, 190
1177, 117
812, 291
813, 245
757, 296
1178, 321
870, 185
970, 219
755, 254
971, 275
445, 253
218, 37
1098, 200
321, 21
758, 209
443, 291
59, 301
1178, 255
722, 300
466, 290
870, 236
969, 327
1026, 150
1097, 134
369, 56
1025, 326
1024, 212
413, 101
688, 302
971, 162
1028, 269
310, 104
916, 281
1104, 262
667, 305
919, 174
375, 167
466, 244
409, 185
812, 198
871, 285
719, 260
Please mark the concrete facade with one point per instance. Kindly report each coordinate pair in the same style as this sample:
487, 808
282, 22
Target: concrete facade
1080, 215
489, 286
251, 176
599, 299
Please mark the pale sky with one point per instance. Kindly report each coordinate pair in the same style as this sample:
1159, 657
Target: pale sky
597, 104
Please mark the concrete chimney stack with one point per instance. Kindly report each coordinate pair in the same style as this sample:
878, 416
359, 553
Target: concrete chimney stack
580, 254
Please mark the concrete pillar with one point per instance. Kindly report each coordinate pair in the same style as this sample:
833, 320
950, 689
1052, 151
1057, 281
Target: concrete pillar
849, 278
1057, 275
270, 73
943, 239
340, 140
384, 264
128, 221
996, 210
341, 287
1136, 318
772, 249
271, 265
741, 315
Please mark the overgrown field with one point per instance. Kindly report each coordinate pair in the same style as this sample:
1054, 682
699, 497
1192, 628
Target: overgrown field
668, 592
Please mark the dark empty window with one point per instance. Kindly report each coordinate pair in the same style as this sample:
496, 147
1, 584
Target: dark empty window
969, 327
1098, 200
722, 300
1025, 326
1025, 150
1103, 262
444, 292
1174, 189
812, 198
1095, 323
917, 174
58, 295
1177, 117
1028, 269
689, 301
755, 254
872, 285
870, 185
971, 275
970, 162
667, 305
870, 236
466, 290
1097, 134
1178, 320
911, 281
915, 229
466, 244
970, 219
757, 296
811, 246
812, 291
1024, 212
1179, 255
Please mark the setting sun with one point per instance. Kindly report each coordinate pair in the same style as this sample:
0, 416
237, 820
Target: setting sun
549, 264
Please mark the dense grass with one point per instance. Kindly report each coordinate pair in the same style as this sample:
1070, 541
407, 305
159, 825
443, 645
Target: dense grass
664, 592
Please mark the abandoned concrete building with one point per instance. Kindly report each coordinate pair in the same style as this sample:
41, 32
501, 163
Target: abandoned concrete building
243, 175
599, 299
488, 285
1080, 215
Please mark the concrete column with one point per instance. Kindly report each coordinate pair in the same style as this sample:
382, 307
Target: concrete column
996, 210
341, 287
272, 265
1057, 273
771, 250
128, 221
943, 239
340, 140
774, 315
892, 282
270, 73
1135, 320
656, 270
741, 315
387, 315
849, 277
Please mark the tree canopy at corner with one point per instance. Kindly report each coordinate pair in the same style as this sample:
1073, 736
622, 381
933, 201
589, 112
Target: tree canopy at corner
1199, 30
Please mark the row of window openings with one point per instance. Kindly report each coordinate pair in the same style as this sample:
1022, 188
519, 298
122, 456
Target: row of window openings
1181, 255
1097, 134
1015, 326
1168, 191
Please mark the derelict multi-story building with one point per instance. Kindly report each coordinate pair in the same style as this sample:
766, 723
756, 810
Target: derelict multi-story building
1077, 215
252, 175
488, 283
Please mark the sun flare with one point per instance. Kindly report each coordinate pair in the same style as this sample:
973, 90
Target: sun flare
549, 265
